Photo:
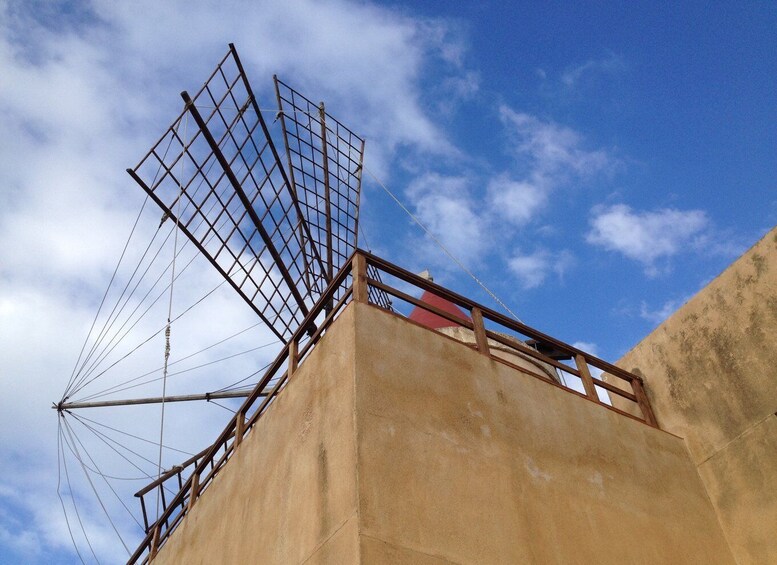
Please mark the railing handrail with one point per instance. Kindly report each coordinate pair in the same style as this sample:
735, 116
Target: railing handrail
493, 315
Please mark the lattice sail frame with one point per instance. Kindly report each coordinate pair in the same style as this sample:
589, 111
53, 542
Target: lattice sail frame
325, 165
325, 161
227, 189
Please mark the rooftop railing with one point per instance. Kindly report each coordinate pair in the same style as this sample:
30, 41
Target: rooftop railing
371, 280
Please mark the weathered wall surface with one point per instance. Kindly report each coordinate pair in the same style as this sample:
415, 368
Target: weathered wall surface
396, 444
711, 374
464, 460
288, 495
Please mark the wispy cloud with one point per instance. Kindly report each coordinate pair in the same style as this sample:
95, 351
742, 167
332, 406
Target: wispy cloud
532, 269
593, 67
517, 201
554, 152
646, 236
444, 205
547, 157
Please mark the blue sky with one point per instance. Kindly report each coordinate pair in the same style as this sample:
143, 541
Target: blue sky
595, 166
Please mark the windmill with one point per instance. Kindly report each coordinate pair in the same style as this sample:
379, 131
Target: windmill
276, 216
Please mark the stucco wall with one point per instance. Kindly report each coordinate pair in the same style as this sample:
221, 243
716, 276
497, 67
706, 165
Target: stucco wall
464, 460
288, 495
396, 444
711, 374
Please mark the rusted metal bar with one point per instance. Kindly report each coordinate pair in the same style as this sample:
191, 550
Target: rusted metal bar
358, 174
240, 423
302, 224
154, 543
271, 144
421, 304
585, 376
615, 390
492, 315
194, 490
166, 475
359, 274
214, 147
644, 403
480, 331
528, 351
327, 196
145, 514
202, 250
152, 400
293, 345
325, 324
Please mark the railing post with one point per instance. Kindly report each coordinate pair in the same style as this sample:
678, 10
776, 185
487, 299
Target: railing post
194, 491
152, 551
644, 403
585, 376
480, 331
240, 423
359, 274
293, 361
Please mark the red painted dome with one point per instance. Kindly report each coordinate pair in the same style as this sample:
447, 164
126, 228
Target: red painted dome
433, 321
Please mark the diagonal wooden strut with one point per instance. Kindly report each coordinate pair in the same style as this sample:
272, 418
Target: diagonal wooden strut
190, 106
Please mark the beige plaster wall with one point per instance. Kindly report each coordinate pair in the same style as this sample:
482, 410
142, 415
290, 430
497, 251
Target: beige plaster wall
711, 374
464, 460
288, 495
396, 444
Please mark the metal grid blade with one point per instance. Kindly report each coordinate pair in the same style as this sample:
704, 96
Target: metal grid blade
217, 173
325, 166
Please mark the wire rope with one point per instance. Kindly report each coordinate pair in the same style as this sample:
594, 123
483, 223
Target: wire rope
167, 330
75, 506
202, 220
99, 498
96, 470
60, 454
83, 419
439, 243
94, 395
116, 269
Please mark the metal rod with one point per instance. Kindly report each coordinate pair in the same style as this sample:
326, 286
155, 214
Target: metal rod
271, 144
327, 196
153, 400
290, 184
245, 201
202, 250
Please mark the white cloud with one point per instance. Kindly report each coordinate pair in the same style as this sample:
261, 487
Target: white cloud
661, 313
532, 269
517, 201
548, 156
587, 346
646, 236
443, 204
593, 67
555, 152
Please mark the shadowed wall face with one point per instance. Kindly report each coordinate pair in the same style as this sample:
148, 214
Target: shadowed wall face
288, 494
393, 444
711, 375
